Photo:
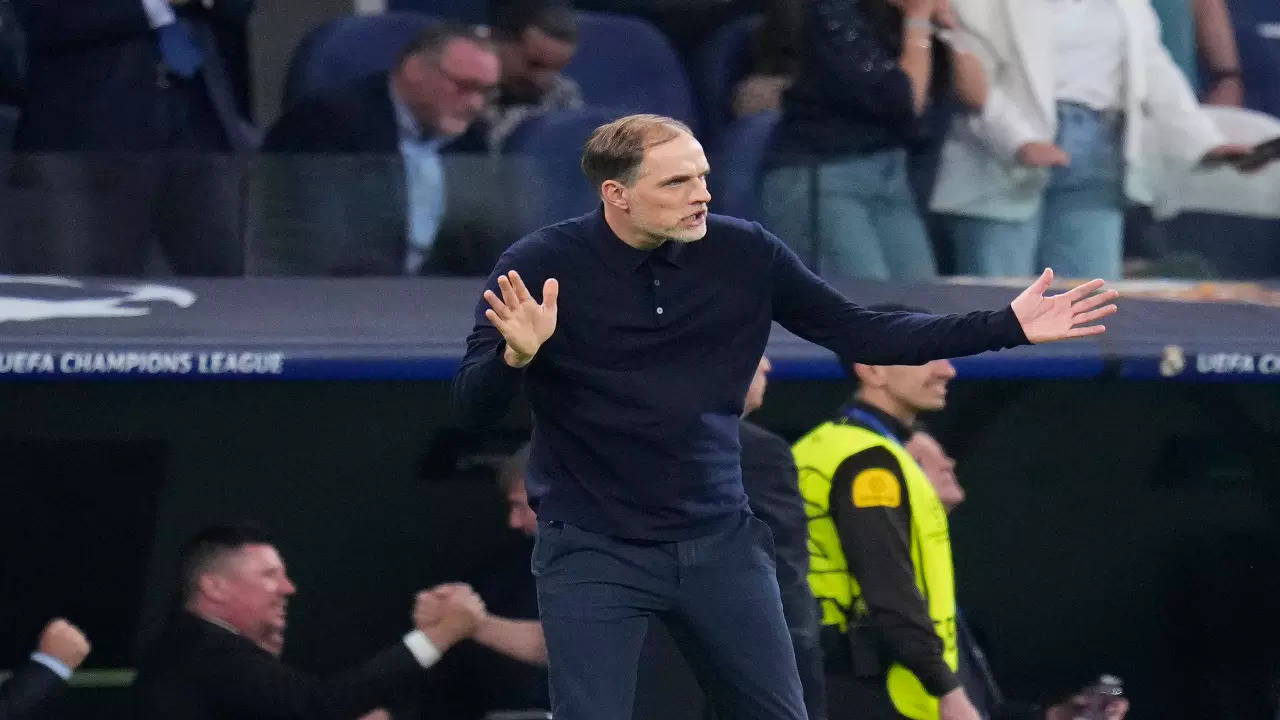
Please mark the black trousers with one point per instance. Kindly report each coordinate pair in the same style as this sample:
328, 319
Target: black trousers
102, 213
859, 698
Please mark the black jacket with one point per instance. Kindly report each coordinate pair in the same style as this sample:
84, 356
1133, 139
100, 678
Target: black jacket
770, 480
31, 685
199, 671
93, 81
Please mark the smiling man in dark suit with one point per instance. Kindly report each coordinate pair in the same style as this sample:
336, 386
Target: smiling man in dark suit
219, 655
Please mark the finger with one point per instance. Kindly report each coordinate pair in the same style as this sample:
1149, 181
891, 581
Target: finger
1080, 292
498, 306
499, 323
1092, 301
508, 292
550, 293
1088, 317
1043, 282
522, 292
1086, 331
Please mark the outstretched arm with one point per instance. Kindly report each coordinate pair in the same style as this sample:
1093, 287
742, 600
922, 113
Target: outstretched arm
810, 308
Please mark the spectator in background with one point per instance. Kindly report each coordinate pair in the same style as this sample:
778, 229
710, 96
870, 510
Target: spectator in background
1198, 33
219, 656
775, 58
535, 40
142, 81
439, 85
61, 649
1041, 175
837, 189
769, 477
974, 673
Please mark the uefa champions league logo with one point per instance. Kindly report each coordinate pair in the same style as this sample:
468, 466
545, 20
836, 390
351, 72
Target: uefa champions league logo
80, 300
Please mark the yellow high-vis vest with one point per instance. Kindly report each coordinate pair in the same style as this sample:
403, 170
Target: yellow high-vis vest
817, 456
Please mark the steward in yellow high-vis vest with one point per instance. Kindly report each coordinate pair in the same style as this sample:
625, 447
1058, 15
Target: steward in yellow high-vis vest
880, 553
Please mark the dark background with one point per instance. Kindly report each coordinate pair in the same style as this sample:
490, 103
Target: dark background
1111, 526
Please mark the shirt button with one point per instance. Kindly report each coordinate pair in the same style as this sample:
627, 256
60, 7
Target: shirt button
659, 311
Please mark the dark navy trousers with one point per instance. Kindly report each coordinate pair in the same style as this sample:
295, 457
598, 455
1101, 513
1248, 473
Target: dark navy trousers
717, 594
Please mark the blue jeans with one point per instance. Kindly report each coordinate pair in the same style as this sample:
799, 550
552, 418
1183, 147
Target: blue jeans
717, 594
850, 218
1079, 226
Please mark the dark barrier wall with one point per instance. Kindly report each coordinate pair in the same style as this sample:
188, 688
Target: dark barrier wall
1110, 527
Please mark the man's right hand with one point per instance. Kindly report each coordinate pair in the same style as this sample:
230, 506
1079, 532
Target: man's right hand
524, 323
448, 613
1043, 154
955, 705
63, 641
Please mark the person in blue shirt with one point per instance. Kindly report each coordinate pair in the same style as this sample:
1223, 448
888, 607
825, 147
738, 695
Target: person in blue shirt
635, 356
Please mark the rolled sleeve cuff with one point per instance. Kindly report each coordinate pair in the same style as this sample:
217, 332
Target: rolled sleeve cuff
424, 651
53, 663
158, 12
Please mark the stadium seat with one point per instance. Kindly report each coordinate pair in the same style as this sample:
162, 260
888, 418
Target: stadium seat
1257, 26
736, 165
546, 151
468, 11
347, 48
626, 63
1228, 220
723, 61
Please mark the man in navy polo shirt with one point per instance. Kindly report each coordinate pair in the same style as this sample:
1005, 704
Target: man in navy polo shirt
636, 388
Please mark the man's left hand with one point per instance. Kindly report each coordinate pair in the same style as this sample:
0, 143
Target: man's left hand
1063, 316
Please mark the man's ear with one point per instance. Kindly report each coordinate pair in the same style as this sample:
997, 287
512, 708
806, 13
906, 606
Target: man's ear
869, 375
212, 586
615, 193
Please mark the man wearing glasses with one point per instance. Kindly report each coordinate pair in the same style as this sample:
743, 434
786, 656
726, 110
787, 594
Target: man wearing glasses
439, 85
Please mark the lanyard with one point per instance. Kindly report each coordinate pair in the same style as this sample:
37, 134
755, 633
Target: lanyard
865, 418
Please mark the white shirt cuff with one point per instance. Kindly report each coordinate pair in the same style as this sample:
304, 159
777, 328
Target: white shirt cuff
158, 12
53, 664
424, 651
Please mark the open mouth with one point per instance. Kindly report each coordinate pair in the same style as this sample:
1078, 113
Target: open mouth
696, 218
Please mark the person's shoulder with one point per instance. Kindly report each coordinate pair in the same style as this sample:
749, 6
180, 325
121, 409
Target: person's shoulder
353, 117
742, 235
551, 240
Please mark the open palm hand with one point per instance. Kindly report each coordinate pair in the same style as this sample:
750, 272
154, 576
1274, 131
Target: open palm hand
1067, 315
524, 322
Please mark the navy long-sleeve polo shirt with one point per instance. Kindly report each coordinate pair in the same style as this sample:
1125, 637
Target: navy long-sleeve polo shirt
636, 396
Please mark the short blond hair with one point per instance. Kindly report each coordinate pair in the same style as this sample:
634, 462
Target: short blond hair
615, 150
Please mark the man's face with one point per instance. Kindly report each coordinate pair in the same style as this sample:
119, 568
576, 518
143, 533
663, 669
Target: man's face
253, 590
919, 388
531, 63
446, 94
759, 383
519, 515
669, 197
938, 466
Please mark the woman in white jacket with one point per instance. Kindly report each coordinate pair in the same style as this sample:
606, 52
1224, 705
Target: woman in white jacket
1084, 102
